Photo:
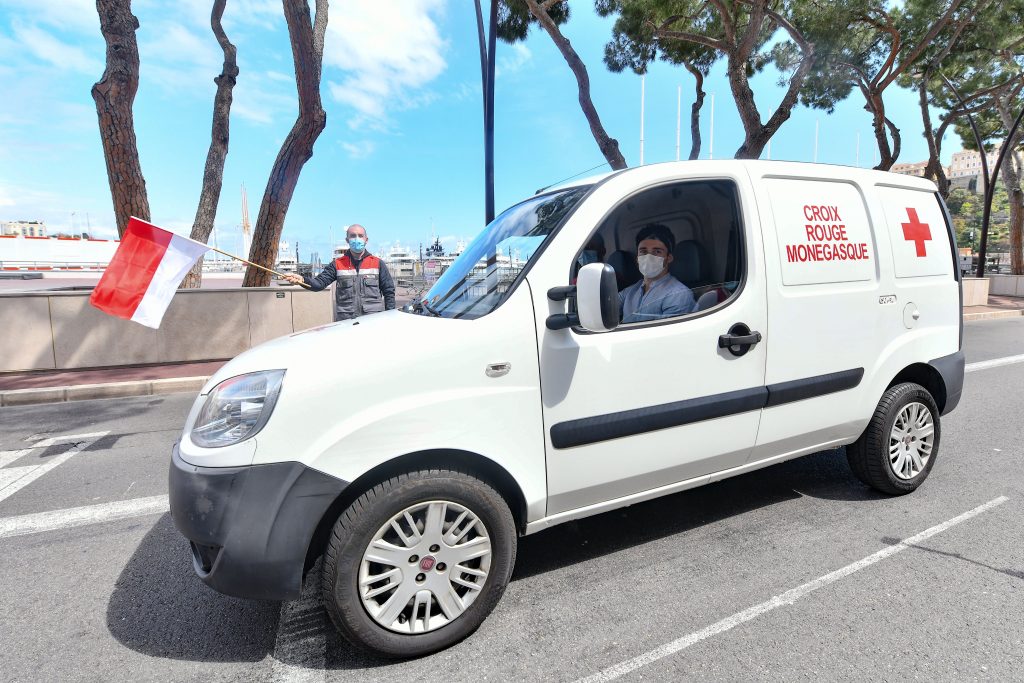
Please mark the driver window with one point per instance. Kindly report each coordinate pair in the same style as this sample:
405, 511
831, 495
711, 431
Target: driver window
677, 250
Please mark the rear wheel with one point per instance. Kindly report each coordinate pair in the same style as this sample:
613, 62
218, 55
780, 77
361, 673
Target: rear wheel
898, 448
416, 563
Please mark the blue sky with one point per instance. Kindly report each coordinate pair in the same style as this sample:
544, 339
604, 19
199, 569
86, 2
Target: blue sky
403, 145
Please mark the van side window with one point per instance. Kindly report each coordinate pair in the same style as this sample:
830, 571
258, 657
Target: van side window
676, 249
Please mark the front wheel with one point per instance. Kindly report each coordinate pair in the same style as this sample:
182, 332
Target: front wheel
416, 563
898, 448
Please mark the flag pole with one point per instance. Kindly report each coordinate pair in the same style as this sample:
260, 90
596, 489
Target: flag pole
250, 263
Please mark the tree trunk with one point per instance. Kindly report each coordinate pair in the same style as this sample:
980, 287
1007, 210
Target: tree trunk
307, 40
1012, 178
608, 145
876, 106
757, 134
736, 71
114, 95
934, 170
213, 175
897, 140
1012, 172
695, 108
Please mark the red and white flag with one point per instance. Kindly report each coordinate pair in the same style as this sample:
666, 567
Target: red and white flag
146, 270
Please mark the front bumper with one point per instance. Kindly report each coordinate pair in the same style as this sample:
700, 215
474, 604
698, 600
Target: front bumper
250, 527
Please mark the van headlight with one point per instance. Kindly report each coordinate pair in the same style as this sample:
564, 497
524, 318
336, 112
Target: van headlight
237, 409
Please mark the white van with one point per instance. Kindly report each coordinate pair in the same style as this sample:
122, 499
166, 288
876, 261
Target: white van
783, 309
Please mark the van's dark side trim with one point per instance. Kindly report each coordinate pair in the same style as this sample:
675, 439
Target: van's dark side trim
599, 428
800, 389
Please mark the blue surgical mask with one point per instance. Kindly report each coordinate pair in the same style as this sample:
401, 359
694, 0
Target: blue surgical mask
357, 244
587, 256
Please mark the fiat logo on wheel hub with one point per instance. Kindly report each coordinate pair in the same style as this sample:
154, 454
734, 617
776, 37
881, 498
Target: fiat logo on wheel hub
427, 563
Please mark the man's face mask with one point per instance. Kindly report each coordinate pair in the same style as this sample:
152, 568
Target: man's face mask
357, 244
650, 265
588, 256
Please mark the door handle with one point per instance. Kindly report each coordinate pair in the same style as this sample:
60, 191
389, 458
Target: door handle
739, 339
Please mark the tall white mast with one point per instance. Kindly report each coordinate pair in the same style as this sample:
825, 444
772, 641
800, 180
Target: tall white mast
815, 140
246, 227
711, 141
642, 120
679, 115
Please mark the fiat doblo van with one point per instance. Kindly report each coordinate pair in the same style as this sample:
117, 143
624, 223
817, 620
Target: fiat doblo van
596, 345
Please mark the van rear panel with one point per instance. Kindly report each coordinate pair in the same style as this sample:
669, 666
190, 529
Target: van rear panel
864, 281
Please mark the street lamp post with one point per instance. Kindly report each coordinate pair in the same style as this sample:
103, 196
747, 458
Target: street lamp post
487, 49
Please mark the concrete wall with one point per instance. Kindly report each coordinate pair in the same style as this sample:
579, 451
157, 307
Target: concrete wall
61, 330
975, 291
1006, 285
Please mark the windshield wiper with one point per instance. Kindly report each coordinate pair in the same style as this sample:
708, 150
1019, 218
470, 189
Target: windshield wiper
427, 307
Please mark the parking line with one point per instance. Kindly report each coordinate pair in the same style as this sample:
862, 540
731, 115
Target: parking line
18, 478
81, 516
994, 363
787, 598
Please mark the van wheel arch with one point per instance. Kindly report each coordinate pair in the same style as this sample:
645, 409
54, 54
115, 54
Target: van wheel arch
925, 375
467, 462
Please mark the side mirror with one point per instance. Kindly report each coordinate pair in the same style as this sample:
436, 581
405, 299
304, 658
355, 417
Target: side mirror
597, 300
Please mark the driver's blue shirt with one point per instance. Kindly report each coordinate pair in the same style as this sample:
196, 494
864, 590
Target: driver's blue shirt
667, 297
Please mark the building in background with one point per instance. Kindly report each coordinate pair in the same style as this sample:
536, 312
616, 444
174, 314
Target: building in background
965, 169
915, 169
23, 229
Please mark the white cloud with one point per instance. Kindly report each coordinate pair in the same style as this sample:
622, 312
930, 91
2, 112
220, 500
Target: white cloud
197, 12
359, 150
389, 51
182, 61
173, 45
261, 98
509, 64
48, 48
467, 91
280, 77
63, 14
267, 14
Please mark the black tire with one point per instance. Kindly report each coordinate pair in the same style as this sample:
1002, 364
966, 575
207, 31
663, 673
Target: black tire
360, 522
869, 455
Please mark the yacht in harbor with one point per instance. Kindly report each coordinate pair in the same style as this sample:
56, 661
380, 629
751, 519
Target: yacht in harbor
287, 262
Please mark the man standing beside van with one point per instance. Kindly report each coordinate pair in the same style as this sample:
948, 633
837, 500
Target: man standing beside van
659, 294
364, 284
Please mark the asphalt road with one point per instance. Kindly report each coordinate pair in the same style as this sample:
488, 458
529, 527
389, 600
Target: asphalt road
733, 581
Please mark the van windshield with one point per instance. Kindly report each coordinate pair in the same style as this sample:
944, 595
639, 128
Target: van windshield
477, 281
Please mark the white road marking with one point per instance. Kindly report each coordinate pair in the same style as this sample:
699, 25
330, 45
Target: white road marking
994, 363
7, 457
300, 651
20, 477
787, 598
81, 516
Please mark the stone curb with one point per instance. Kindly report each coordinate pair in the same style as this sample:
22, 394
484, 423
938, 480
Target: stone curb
83, 392
990, 315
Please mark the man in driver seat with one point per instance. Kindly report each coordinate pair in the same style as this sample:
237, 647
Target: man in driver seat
659, 294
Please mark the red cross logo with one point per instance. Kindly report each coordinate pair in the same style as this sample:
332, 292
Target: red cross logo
917, 232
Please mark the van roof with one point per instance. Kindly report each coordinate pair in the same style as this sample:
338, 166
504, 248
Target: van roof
799, 169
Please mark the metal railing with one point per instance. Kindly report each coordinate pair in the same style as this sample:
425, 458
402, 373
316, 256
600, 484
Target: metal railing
53, 265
